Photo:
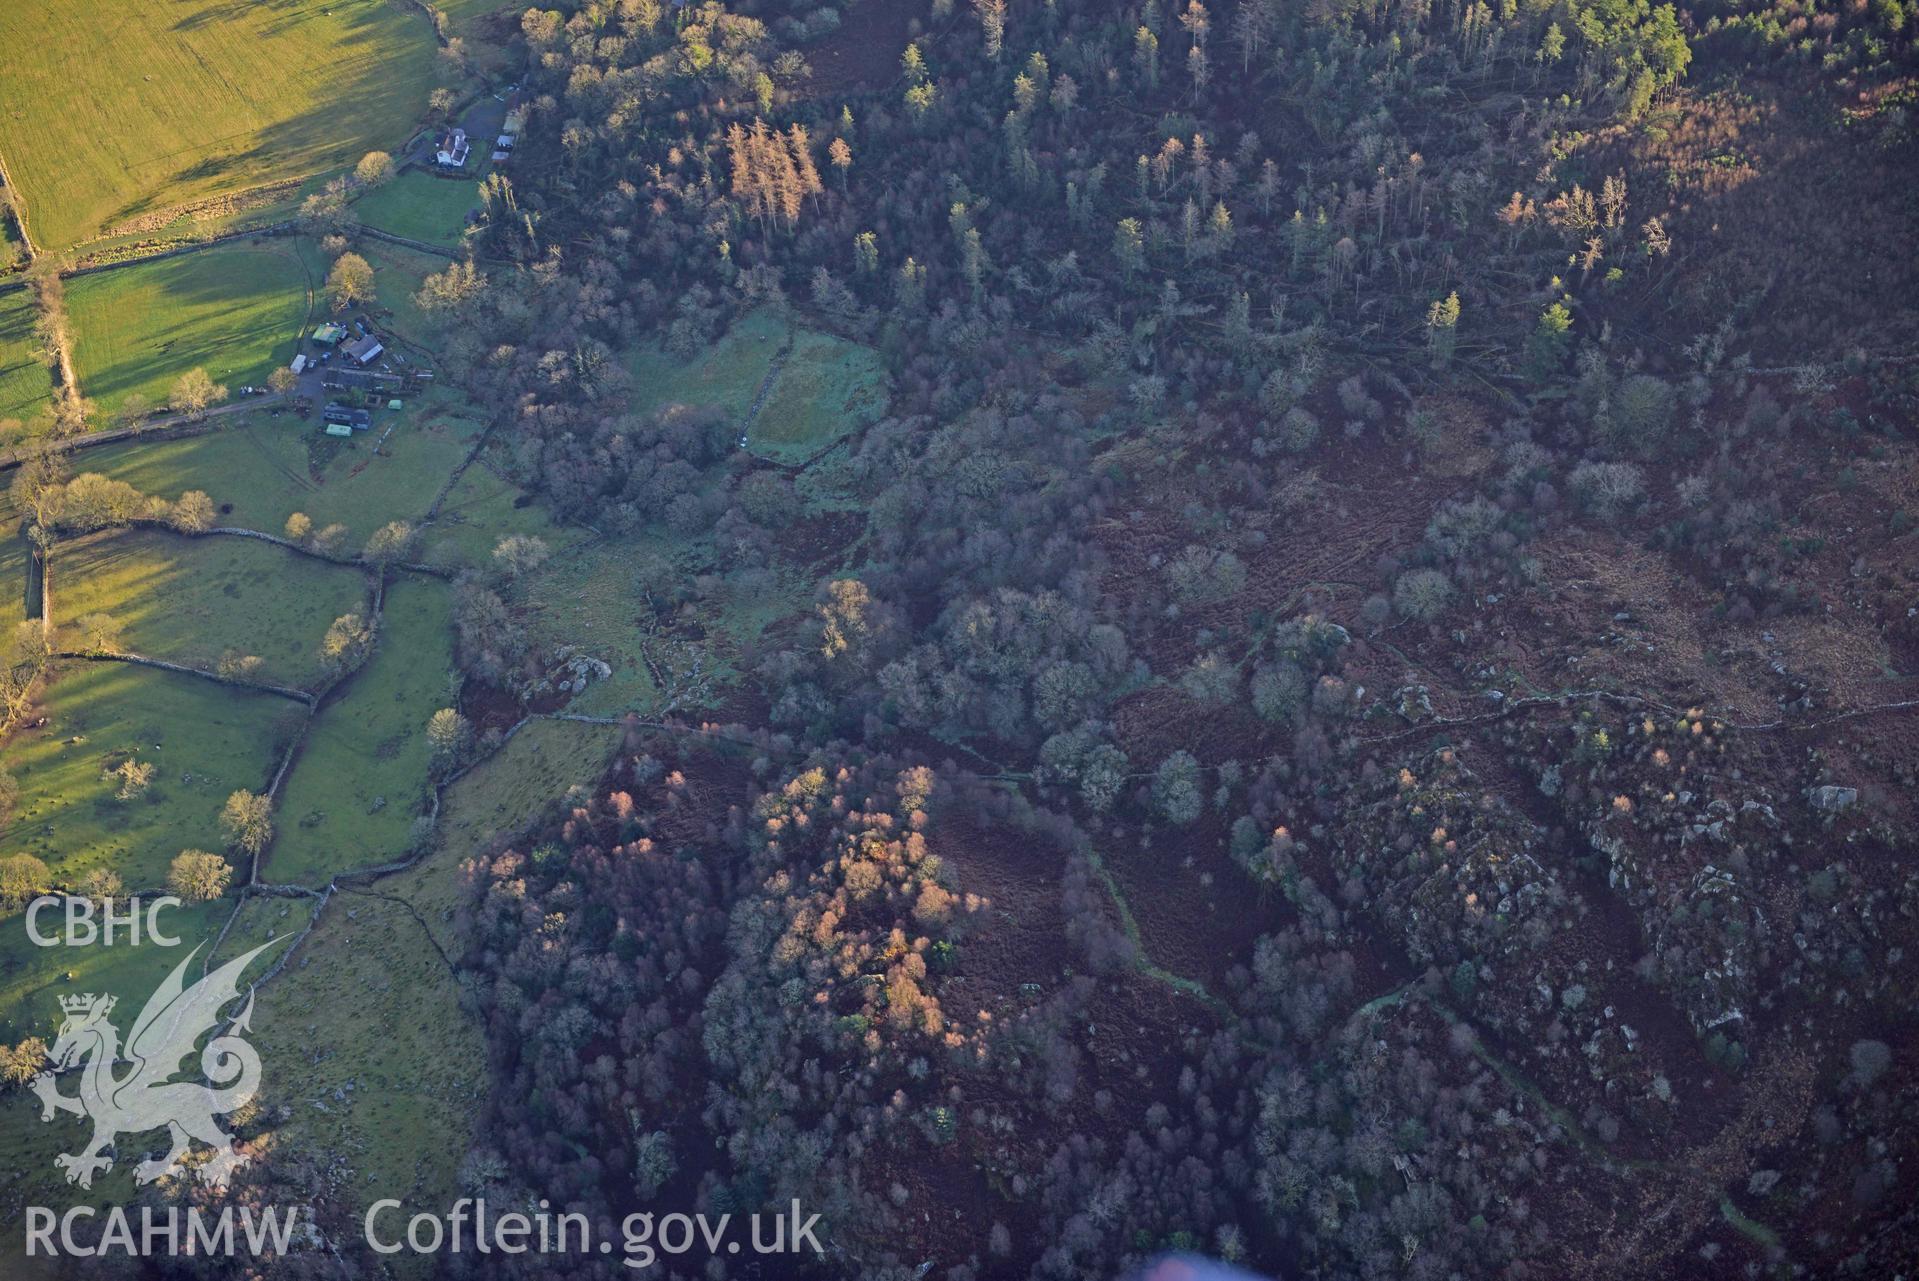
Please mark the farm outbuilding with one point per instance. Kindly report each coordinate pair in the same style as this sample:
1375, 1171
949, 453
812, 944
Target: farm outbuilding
364, 351
367, 381
329, 334
338, 415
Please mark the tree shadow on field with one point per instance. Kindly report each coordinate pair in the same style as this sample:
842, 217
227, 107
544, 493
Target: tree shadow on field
374, 58
212, 15
16, 326
370, 103
207, 167
213, 300
22, 356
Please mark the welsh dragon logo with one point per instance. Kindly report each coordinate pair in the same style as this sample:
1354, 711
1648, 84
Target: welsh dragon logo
144, 1097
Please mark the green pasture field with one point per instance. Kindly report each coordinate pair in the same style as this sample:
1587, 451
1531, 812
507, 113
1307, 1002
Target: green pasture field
13, 250
260, 919
232, 462
363, 1040
255, 463
205, 741
421, 207
189, 600
413, 1059
193, 227
364, 489
266, 468
462, 13
121, 114
486, 42
420, 1037
495, 798
234, 310
13, 568
26, 386
406, 1059
588, 598
361, 777
32, 979
726, 374
398, 273
478, 512
827, 388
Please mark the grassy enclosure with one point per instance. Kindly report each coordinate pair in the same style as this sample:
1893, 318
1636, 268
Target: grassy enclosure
388, 1078
590, 598
727, 373
235, 311
363, 1040
398, 273
421, 207
496, 798
13, 567
204, 741
123, 115
26, 385
268, 468
260, 919
190, 600
361, 778
480, 510
13, 250
258, 468
32, 979
827, 388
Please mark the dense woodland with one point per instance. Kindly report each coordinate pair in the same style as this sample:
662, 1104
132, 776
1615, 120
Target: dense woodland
1283, 397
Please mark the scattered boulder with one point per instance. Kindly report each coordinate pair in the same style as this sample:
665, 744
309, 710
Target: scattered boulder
1833, 799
